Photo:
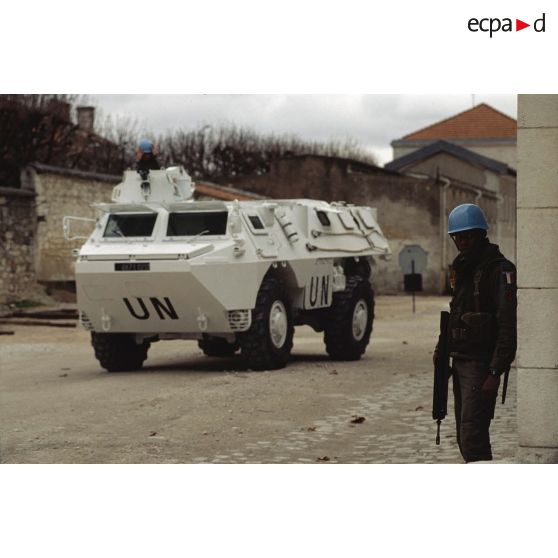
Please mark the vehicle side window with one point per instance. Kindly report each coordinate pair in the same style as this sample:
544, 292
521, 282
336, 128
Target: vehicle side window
191, 223
130, 225
323, 218
256, 222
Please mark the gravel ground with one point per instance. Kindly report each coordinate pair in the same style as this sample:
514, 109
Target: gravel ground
59, 406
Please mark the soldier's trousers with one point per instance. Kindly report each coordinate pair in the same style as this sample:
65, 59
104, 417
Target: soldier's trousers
473, 411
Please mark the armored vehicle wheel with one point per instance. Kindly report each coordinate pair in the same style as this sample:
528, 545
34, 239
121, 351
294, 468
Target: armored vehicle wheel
349, 325
217, 346
268, 343
119, 352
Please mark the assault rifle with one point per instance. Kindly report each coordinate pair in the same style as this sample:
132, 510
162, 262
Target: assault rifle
505, 388
441, 375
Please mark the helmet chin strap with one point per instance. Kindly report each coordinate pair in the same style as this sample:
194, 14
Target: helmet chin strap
474, 243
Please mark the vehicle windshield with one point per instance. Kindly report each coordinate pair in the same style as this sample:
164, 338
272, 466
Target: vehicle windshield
190, 223
126, 225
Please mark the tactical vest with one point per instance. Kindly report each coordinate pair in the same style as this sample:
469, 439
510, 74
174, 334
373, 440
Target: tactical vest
473, 325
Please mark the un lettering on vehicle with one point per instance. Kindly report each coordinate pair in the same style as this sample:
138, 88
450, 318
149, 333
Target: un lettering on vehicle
142, 309
318, 292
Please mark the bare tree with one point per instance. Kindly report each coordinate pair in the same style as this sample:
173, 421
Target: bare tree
33, 128
41, 128
226, 151
118, 131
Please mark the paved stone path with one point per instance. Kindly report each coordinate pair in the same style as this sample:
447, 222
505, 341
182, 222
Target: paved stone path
379, 438
186, 408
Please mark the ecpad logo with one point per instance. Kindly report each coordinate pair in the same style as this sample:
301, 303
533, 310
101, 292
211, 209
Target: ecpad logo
494, 24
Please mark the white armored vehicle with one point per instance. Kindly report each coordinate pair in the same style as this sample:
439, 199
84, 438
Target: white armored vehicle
233, 275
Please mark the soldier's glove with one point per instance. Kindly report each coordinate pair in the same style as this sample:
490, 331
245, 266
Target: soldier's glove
435, 354
490, 386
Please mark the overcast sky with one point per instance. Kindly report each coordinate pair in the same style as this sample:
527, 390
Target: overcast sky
373, 120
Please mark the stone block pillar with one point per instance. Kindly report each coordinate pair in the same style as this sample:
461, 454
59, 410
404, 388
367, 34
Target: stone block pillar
537, 263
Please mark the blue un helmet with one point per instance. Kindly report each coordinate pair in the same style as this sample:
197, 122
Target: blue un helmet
466, 217
146, 145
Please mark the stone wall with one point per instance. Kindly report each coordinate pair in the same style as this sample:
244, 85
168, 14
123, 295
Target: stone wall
59, 193
18, 229
408, 208
411, 210
494, 192
537, 238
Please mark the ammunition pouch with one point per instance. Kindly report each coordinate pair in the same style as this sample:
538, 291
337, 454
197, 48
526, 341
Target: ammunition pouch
478, 330
477, 319
459, 334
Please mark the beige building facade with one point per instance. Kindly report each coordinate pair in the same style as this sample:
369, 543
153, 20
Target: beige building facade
466, 177
537, 267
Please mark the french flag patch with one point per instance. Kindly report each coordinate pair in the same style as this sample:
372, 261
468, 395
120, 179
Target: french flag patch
509, 277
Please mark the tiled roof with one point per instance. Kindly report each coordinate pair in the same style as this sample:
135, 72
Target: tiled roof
452, 149
481, 121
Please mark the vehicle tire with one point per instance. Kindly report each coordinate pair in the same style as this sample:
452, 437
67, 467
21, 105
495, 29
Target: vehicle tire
119, 352
217, 346
268, 343
349, 321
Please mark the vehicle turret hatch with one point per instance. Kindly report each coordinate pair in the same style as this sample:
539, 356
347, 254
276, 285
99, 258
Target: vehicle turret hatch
347, 219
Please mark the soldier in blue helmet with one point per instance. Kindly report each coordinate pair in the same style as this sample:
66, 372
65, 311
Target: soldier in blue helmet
146, 156
483, 328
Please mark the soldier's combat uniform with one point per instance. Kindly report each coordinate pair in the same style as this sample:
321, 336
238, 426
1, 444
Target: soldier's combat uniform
148, 161
483, 340
145, 155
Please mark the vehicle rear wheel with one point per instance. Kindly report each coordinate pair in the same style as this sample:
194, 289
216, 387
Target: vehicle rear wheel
268, 343
349, 321
119, 352
217, 346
